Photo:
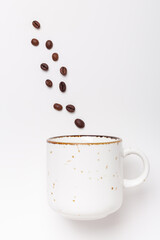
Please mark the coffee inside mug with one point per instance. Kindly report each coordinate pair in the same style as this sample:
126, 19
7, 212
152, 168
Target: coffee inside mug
84, 139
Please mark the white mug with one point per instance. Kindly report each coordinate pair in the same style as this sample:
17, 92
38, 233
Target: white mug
85, 175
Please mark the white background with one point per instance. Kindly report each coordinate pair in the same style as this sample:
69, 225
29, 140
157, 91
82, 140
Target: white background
112, 52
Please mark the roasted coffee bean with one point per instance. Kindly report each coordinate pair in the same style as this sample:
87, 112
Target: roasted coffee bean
79, 123
70, 108
55, 56
48, 83
44, 67
49, 44
62, 86
35, 42
36, 24
58, 106
63, 71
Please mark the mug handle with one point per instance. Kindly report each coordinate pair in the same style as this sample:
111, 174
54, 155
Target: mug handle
134, 182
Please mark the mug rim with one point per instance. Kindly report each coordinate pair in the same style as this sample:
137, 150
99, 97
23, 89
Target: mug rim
116, 140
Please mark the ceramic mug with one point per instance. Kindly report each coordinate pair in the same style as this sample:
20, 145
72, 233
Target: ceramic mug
85, 175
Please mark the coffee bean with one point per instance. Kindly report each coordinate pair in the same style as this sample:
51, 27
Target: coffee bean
70, 108
36, 24
48, 83
44, 67
35, 42
58, 106
63, 71
62, 86
79, 123
49, 44
55, 56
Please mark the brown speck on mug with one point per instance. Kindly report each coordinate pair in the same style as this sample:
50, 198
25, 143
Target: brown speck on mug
72, 156
81, 171
116, 158
73, 200
68, 161
106, 166
113, 175
78, 148
112, 188
74, 168
50, 152
101, 177
53, 185
54, 199
52, 193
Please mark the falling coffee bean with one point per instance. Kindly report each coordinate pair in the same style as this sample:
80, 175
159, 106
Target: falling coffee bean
70, 108
58, 106
62, 86
55, 56
79, 123
63, 71
35, 42
49, 44
48, 83
44, 67
36, 24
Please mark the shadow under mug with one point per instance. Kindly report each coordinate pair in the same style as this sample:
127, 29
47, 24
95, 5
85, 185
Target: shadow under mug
85, 175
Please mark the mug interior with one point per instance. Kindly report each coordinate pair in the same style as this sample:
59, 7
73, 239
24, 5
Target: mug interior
84, 139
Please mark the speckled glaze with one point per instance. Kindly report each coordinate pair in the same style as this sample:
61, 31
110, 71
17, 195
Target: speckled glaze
85, 179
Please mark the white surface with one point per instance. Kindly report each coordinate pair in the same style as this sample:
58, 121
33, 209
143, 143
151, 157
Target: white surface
112, 51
